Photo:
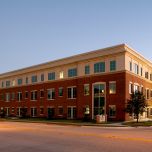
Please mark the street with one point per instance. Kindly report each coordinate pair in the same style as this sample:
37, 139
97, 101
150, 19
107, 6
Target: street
37, 137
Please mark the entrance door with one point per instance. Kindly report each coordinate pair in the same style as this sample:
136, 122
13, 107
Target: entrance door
98, 99
51, 113
71, 112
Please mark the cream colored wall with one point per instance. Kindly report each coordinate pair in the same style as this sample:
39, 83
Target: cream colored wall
120, 65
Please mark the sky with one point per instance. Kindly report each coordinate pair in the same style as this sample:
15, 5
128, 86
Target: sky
38, 31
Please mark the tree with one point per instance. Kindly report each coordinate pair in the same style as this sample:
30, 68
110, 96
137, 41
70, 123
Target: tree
136, 104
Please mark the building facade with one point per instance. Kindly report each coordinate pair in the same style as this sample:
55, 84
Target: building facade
100, 81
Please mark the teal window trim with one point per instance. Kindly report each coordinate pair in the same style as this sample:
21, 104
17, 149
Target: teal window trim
51, 76
99, 67
112, 65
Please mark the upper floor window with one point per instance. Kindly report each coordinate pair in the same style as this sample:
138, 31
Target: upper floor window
151, 76
19, 81
51, 76
87, 69
2, 84
146, 75
61, 75
112, 65
41, 93
147, 93
34, 78
26, 94
72, 72
7, 97
136, 68
141, 71
42, 77
72, 92
130, 65
33, 95
130, 88
112, 87
86, 89
2, 97
19, 96
8, 83
51, 94
60, 92
99, 67
26, 80
13, 96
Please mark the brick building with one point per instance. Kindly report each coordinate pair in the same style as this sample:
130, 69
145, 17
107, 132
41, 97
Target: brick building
100, 81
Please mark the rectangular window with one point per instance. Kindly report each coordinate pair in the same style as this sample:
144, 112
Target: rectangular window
146, 75
72, 92
86, 89
60, 92
33, 112
99, 67
19, 96
42, 77
112, 87
61, 74
13, 96
8, 83
112, 65
26, 94
147, 93
51, 94
34, 79
151, 111
2, 97
130, 88
60, 111
26, 80
51, 76
136, 87
136, 68
151, 93
72, 72
87, 69
41, 93
33, 95
7, 97
19, 81
112, 111
130, 65
141, 71
41, 111
2, 84
150, 77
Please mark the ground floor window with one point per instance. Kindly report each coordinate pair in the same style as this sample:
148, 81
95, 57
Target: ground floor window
112, 110
33, 112
60, 110
72, 112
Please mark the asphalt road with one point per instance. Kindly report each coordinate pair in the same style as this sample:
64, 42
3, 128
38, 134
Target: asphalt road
35, 137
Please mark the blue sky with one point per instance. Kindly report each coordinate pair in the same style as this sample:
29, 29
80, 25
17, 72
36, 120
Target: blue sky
37, 31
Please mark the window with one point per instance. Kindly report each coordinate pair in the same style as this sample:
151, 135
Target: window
33, 112
19, 81
72, 72
61, 75
41, 93
13, 83
60, 110
7, 97
130, 88
151, 111
33, 95
26, 94
146, 75
130, 65
42, 77
2, 84
7, 83
150, 77
19, 96
2, 97
51, 76
86, 89
141, 71
13, 96
99, 67
26, 80
147, 93
60, 92
112, 65
87, 69
51, 94
72, 92
41, 111
136, 68
112, 87
136, 87
151, 93
34, 78
112, 111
